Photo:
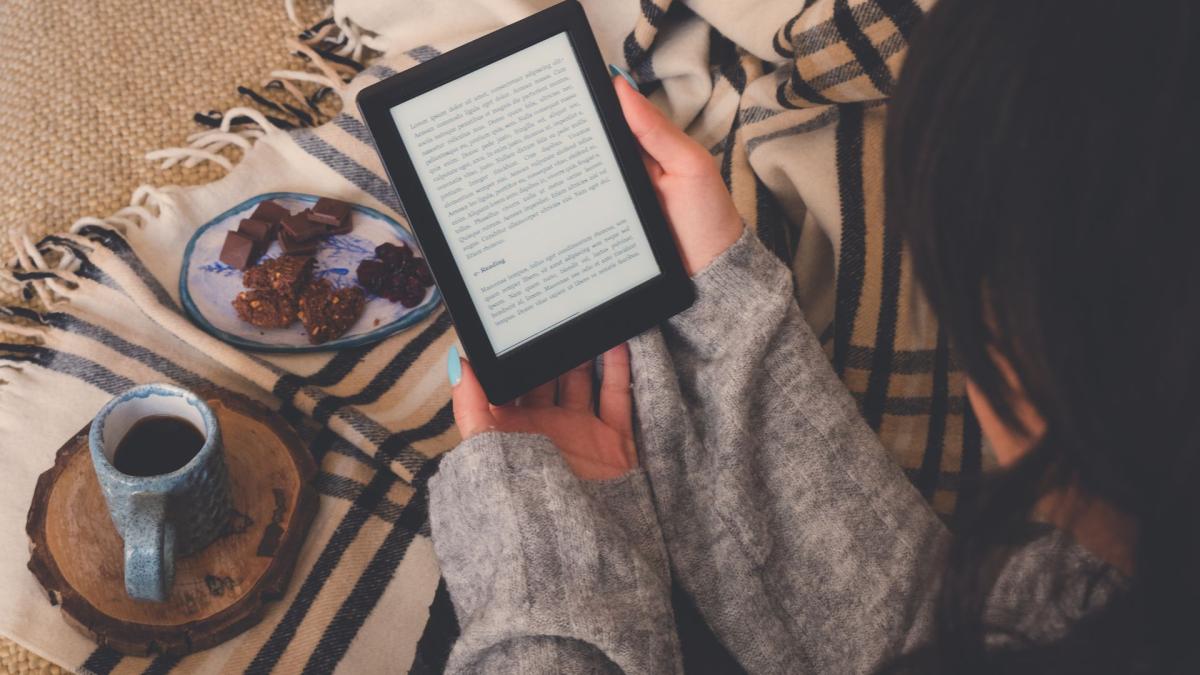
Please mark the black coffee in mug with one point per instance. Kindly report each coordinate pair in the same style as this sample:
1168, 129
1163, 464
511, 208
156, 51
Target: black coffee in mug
156, 445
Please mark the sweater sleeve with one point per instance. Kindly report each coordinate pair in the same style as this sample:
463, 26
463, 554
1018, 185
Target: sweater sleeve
799, 538
549, 573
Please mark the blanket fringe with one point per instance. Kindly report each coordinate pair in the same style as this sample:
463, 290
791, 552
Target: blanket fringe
24, 322
331, 50
29, 333
48, 280
350, 40
205, 145
43, 274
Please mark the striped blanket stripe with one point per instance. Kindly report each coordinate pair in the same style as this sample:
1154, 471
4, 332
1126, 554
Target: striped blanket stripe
373, 475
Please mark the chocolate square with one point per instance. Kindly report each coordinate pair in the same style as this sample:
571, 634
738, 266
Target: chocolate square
344, 227
330, 212
239, 251
301, 229
270, 212
260, 231
292, 246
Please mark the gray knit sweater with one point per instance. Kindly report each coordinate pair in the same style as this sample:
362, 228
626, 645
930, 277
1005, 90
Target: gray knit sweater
761, 490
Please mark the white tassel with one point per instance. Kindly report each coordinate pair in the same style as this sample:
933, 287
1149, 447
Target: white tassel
34, 254
88, 221
56, 289
146, 205
315, 59
69, 262
125, 223
27, 263
205, 145
156, 198
216, 139
334, 84
137, 212
172, 156
241, 111
356, 41
242, 138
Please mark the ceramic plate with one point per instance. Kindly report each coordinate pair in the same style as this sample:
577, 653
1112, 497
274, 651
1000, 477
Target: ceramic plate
208, 286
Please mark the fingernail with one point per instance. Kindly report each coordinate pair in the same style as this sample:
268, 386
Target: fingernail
454, 366
618, 70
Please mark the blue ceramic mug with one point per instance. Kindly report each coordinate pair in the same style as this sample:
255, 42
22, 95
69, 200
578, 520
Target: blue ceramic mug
168, 514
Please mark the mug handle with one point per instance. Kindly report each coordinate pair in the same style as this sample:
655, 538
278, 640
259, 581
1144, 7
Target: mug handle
149, 548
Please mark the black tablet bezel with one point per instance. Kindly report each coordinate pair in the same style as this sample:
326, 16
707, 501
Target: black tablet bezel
596, 330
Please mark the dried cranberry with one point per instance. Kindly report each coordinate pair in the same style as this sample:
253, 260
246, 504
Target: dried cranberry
371, 274
420, 269
393, 254
391, 286
412, 293
396, 274
392, 291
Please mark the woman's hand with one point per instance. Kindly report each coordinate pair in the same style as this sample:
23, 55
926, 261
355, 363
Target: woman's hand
596, 447
687, 181
705, 222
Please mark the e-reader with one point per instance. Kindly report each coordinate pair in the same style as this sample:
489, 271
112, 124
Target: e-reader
527, 192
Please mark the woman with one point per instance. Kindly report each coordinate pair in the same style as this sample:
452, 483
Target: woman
1044, 198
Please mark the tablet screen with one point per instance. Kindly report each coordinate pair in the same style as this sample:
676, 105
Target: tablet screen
525, 186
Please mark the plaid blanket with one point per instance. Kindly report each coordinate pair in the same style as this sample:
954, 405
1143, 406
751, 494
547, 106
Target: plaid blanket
789, 97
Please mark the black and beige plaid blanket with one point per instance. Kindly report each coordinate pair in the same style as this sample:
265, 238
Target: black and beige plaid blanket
790, 96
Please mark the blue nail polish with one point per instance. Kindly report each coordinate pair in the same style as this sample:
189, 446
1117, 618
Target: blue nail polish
454, 366
618, 70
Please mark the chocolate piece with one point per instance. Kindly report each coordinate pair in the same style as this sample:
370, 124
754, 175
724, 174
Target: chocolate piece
292, 247
345, 227
301, 229
330, 212
260, 231
285, 274
270, 212
327, 312
265, 308
239, 251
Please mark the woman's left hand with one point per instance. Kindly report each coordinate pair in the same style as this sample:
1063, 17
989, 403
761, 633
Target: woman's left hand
597, 446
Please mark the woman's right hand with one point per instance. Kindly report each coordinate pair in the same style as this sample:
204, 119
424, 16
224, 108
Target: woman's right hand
690, 188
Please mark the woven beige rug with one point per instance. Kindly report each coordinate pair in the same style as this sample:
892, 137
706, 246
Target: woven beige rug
88, 88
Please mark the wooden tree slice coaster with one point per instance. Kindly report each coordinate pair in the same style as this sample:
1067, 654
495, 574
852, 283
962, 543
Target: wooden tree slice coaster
220, 591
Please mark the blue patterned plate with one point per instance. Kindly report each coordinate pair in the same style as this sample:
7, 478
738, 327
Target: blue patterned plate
208, 286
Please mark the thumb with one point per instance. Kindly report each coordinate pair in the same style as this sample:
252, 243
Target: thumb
471, 411
663, 141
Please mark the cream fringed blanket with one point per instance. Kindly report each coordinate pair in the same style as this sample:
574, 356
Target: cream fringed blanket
789, 97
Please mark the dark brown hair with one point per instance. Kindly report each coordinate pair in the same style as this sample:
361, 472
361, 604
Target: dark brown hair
1042, 159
